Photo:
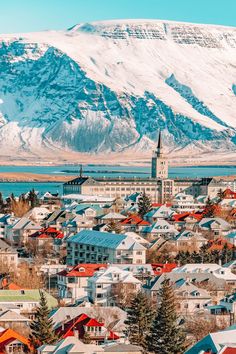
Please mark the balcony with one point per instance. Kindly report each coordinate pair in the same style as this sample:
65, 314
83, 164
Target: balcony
127, 255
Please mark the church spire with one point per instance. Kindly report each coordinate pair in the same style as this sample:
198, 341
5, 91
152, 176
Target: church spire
159, 144
81, 171
159, 161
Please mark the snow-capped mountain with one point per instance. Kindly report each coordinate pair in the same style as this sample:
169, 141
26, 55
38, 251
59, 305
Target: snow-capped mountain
110, 86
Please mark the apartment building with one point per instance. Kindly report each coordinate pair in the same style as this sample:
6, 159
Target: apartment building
90, 246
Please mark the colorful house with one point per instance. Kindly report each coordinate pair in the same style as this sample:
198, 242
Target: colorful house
82, 326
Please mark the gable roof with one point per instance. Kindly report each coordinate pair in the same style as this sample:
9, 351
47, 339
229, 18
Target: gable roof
61, 313
214, 342
9, 336
12, 316
79, 323
134, 220
82, 270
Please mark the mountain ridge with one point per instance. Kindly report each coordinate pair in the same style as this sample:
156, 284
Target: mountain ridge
110, 86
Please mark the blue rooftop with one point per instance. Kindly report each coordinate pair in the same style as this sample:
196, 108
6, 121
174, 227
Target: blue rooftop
97, 238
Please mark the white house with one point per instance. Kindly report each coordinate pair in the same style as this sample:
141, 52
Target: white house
8, 256
161, 228
216, 225
72, 282
102, 285
162, 212
186, 202
37, 214
190, 298
208, 268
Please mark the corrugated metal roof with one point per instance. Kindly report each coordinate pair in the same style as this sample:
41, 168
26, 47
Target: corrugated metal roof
97, 238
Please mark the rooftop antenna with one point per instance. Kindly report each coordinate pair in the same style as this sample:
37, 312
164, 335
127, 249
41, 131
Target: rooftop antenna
81, 170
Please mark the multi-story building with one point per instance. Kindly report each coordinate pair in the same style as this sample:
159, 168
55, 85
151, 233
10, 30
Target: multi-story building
183, 202
107, 286
90, 246
73, 282
158, 186
8, 256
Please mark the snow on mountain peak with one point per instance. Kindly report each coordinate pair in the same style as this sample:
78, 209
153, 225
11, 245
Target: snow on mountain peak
111, 85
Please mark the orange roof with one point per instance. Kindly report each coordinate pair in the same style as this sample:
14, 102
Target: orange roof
229, 350
160, 268
10, 286
155, 205
47, 232
8, 336
134, 220
82, 270
183, 216
219, 244
13, 286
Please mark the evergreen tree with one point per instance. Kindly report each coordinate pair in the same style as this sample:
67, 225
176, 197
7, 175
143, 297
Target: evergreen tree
166, 336
220, 195
113, 226
1, 202
42, 327
139, 319
144, 204
33, 199
209, 209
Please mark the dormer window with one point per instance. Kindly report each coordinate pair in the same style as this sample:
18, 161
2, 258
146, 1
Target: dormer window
81, 269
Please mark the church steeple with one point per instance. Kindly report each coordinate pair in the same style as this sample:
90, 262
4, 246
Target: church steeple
159, 161
159, 144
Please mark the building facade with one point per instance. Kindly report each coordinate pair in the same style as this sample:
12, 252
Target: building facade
90, 246
158, 186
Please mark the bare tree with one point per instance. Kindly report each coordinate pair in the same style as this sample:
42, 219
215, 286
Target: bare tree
122, 294
199, 327
28, 277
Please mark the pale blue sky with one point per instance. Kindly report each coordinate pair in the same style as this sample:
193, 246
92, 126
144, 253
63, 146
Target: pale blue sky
36, 15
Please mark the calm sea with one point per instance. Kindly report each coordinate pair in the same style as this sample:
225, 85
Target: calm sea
102, 170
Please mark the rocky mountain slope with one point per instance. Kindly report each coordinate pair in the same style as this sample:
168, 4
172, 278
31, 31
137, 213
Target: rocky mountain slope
110, 86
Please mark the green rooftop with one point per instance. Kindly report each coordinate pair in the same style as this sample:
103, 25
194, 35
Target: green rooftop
26, 296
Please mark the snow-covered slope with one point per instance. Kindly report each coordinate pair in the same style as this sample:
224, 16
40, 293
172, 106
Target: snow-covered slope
110, 86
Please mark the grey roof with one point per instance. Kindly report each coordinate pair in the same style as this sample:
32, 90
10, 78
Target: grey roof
12, 316
121, 347
21, 223
5, 247
62, 313
97, 238
193, 277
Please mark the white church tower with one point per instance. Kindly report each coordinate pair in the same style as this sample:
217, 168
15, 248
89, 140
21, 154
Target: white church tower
159, 161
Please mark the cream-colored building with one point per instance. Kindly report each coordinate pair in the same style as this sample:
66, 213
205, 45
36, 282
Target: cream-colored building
158, 186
